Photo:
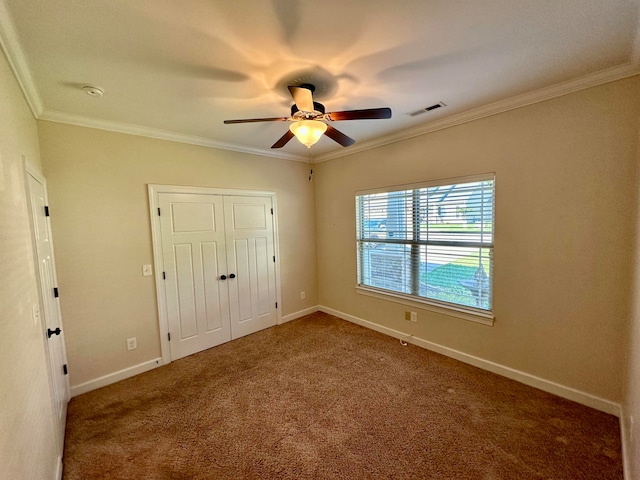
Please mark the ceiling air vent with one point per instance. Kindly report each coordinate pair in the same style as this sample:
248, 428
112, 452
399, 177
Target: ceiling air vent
426, 109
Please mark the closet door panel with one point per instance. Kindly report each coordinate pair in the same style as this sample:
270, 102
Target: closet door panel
263, 295
186, 294
194, 257
216, 306
252, 294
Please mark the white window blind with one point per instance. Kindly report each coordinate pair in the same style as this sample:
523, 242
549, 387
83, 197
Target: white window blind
431, 242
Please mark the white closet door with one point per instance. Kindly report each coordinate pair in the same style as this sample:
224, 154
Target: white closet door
250, 259
194, 255
52, 326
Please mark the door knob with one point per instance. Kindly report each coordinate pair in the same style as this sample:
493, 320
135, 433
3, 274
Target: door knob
223, 277
50, 332
233, 275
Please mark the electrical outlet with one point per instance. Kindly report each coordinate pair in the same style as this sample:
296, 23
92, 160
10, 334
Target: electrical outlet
303, 295
414, 317
146, 271
132, 343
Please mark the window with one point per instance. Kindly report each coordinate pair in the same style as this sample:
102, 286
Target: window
431, 243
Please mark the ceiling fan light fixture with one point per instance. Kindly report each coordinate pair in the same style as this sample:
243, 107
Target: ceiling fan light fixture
308, 131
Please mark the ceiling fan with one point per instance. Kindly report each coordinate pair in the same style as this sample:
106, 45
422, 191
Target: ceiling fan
306, 116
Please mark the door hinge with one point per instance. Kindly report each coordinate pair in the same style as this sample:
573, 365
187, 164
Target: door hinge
158, 211
274, 258
169, 336
164, 276
55, 292
46, 210
276, 304
64, 369
272, 211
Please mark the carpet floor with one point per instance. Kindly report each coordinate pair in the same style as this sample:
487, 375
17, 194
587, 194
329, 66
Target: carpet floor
321, 398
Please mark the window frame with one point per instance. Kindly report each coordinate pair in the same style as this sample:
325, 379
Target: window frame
483, 316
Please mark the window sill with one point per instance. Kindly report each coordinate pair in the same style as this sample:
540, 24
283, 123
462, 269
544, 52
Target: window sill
466, 314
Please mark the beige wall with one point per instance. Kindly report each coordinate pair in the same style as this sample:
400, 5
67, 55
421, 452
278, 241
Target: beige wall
28, 446
565, 188
631, 404
100, 219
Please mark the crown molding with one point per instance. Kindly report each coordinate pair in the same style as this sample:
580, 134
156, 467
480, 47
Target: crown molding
9, 41
588, 81
82, 121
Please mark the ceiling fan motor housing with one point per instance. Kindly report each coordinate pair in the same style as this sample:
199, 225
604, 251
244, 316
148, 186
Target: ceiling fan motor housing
317, 107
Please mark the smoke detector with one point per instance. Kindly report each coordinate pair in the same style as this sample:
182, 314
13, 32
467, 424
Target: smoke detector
93, 91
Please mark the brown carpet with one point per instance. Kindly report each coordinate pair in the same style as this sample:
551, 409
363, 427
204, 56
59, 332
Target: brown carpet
321, 398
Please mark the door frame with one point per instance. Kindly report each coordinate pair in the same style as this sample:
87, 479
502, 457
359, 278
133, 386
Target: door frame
29, 171
158, 264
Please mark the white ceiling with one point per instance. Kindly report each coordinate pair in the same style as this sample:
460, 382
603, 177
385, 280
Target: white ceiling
177, 69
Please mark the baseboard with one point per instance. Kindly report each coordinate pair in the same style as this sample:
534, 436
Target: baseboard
58, 473
298, 314
115, 377
626, 447
569, 393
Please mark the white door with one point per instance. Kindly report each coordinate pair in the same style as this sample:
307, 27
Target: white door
195, 267
251, 263
218, 257
51, 316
